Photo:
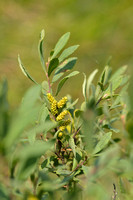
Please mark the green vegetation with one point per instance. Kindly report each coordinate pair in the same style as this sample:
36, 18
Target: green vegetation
51, 147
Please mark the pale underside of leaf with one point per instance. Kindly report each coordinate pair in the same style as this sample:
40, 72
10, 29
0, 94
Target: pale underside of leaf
24, 71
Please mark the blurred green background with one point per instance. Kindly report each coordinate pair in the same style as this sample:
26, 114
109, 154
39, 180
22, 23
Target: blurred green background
103, 28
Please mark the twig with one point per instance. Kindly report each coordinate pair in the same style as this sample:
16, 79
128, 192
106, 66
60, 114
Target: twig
76, 132
79, 165
99, 101
115, 193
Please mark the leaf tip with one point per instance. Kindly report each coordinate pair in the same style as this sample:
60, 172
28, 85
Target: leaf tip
42, 34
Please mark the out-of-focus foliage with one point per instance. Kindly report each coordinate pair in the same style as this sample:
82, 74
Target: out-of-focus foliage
50, 148
102, 28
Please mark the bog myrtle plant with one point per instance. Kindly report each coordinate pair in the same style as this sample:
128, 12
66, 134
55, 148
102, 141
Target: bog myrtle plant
52, 149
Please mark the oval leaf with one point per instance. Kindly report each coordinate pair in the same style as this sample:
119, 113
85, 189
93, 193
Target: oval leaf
67, 52
66, 65
103, 142
60, 44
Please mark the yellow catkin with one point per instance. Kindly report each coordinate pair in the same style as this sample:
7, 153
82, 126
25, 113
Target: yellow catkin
61, 115
54, 110
62, 128
60, 134
65, 124
62, 102
50, 98
32, 198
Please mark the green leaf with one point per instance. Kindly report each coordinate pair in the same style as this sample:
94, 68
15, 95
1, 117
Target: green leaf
113, 129
40, 49
63, 172
26, 116
61, 83
86, 169
28, 157
75, 163
117, 79
43, 127
53, 65
19, 124
104, 78
84, 86
4, 108
108, 72
106, 110
118, 73
67, 52
89, 81
103, 142
60, 44
71, 105
43, 114
24, 71
121, 185
72, 145
4, 192
56, 77
30, 98
45, 87
93, 90
66, 65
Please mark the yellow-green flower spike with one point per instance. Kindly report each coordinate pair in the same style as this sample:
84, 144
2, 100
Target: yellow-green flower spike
61, 115
50, 98
54, 110
62, 102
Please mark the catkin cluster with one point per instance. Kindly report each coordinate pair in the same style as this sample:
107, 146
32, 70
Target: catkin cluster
55, 106
56, 110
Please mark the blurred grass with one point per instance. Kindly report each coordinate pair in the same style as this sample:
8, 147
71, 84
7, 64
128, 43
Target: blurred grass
102, 28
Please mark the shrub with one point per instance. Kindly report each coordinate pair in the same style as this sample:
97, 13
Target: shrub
52, 149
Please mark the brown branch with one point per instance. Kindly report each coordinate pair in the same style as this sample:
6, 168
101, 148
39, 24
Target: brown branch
79, 165
115, 193
99, 101
76, 132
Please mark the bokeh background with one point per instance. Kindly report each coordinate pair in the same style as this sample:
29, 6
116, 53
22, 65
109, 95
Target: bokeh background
103, 28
